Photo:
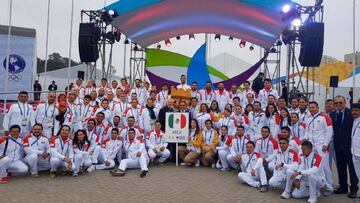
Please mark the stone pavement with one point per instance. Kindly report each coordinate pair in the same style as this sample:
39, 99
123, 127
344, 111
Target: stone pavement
164, 184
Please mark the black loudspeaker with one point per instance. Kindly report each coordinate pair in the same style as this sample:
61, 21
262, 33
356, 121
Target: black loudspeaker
311, 36
89, 35
334, 81
81, 75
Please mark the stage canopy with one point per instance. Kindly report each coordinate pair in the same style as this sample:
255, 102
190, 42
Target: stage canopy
147, 22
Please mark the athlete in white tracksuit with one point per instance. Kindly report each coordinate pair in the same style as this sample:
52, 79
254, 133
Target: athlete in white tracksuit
223, 148
136, 156
310, 177
11, 152
20, 114
256, 122
319, 132
37, 150
45, 114
62, 153
268, 148
155, 141
237, 148
109, 149
286, 164
253, 172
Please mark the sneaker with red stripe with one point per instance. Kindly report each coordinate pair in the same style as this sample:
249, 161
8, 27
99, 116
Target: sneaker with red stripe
4, 180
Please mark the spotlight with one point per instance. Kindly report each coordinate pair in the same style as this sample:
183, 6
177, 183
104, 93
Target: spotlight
117, 35
126, 41
111, 12
192, 37
158, 46
231, 38
217, 37
242, 43
251, 48
168, 42
178, 37
286, 8
296, 22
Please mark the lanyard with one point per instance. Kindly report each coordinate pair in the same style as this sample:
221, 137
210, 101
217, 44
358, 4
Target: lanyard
132, 112
46, 110
36, 141
11, 138
267, 146
357, 125
85, 110
271, 116
288, 157
130, 143
206, 135
298, 130
26, 113
237, 144
314, 120
228, 121
157, 138
63, 146
247, 164
91, 136
99, 129
163, 95
255, 116
312, 162
303, 118
138, 92
206, 95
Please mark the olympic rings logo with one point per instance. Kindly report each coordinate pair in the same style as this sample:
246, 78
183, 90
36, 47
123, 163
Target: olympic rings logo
14, 77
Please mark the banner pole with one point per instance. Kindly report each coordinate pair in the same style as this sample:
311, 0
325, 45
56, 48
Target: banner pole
8, 55
70, 43
177, 154
47, 43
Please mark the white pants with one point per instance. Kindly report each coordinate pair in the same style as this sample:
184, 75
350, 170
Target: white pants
163, 155
223, 153
138, 162
232, 163
278, 180
82, 160
282, 179
103, 165
7, 164
55, 163
254, 181
356, 161
326, 166
309, 187
37, 163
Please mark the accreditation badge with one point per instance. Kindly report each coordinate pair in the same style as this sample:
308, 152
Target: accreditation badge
24, 122
48, 122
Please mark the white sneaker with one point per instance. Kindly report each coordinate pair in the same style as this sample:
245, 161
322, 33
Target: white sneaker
225, 169
285, 195
183, 164
218, 165
213, 165
312, 201
197, 163
91, 169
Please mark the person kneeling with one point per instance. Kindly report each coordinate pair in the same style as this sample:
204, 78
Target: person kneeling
286, 163
135, 156
37, 150
191, 153
10, 159
237, 148
110, 148
253, 169
310, 177
157, 145
62, 153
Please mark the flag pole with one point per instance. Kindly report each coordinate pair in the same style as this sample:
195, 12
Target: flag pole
47, 43
6, 79
354, 45
70, 43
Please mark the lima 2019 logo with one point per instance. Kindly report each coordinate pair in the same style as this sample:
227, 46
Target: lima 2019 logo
16, 64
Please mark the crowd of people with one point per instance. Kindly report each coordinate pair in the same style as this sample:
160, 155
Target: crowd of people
270, 142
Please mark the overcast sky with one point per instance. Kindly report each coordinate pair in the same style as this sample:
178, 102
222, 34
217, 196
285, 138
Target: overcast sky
32, 13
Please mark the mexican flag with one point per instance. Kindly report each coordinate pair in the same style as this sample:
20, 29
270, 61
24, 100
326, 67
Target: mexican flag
177, 121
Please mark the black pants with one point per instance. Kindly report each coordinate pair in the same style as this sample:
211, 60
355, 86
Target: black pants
343, 163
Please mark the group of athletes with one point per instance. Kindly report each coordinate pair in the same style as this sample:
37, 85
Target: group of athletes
268, 141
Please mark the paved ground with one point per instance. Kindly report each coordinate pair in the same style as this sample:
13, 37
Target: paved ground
164, 184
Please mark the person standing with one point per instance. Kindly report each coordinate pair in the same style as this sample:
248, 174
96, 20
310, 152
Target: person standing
355, 137
342, 125
37, 90
258, 83
45, 114
284, 91
20, 114
52, 86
